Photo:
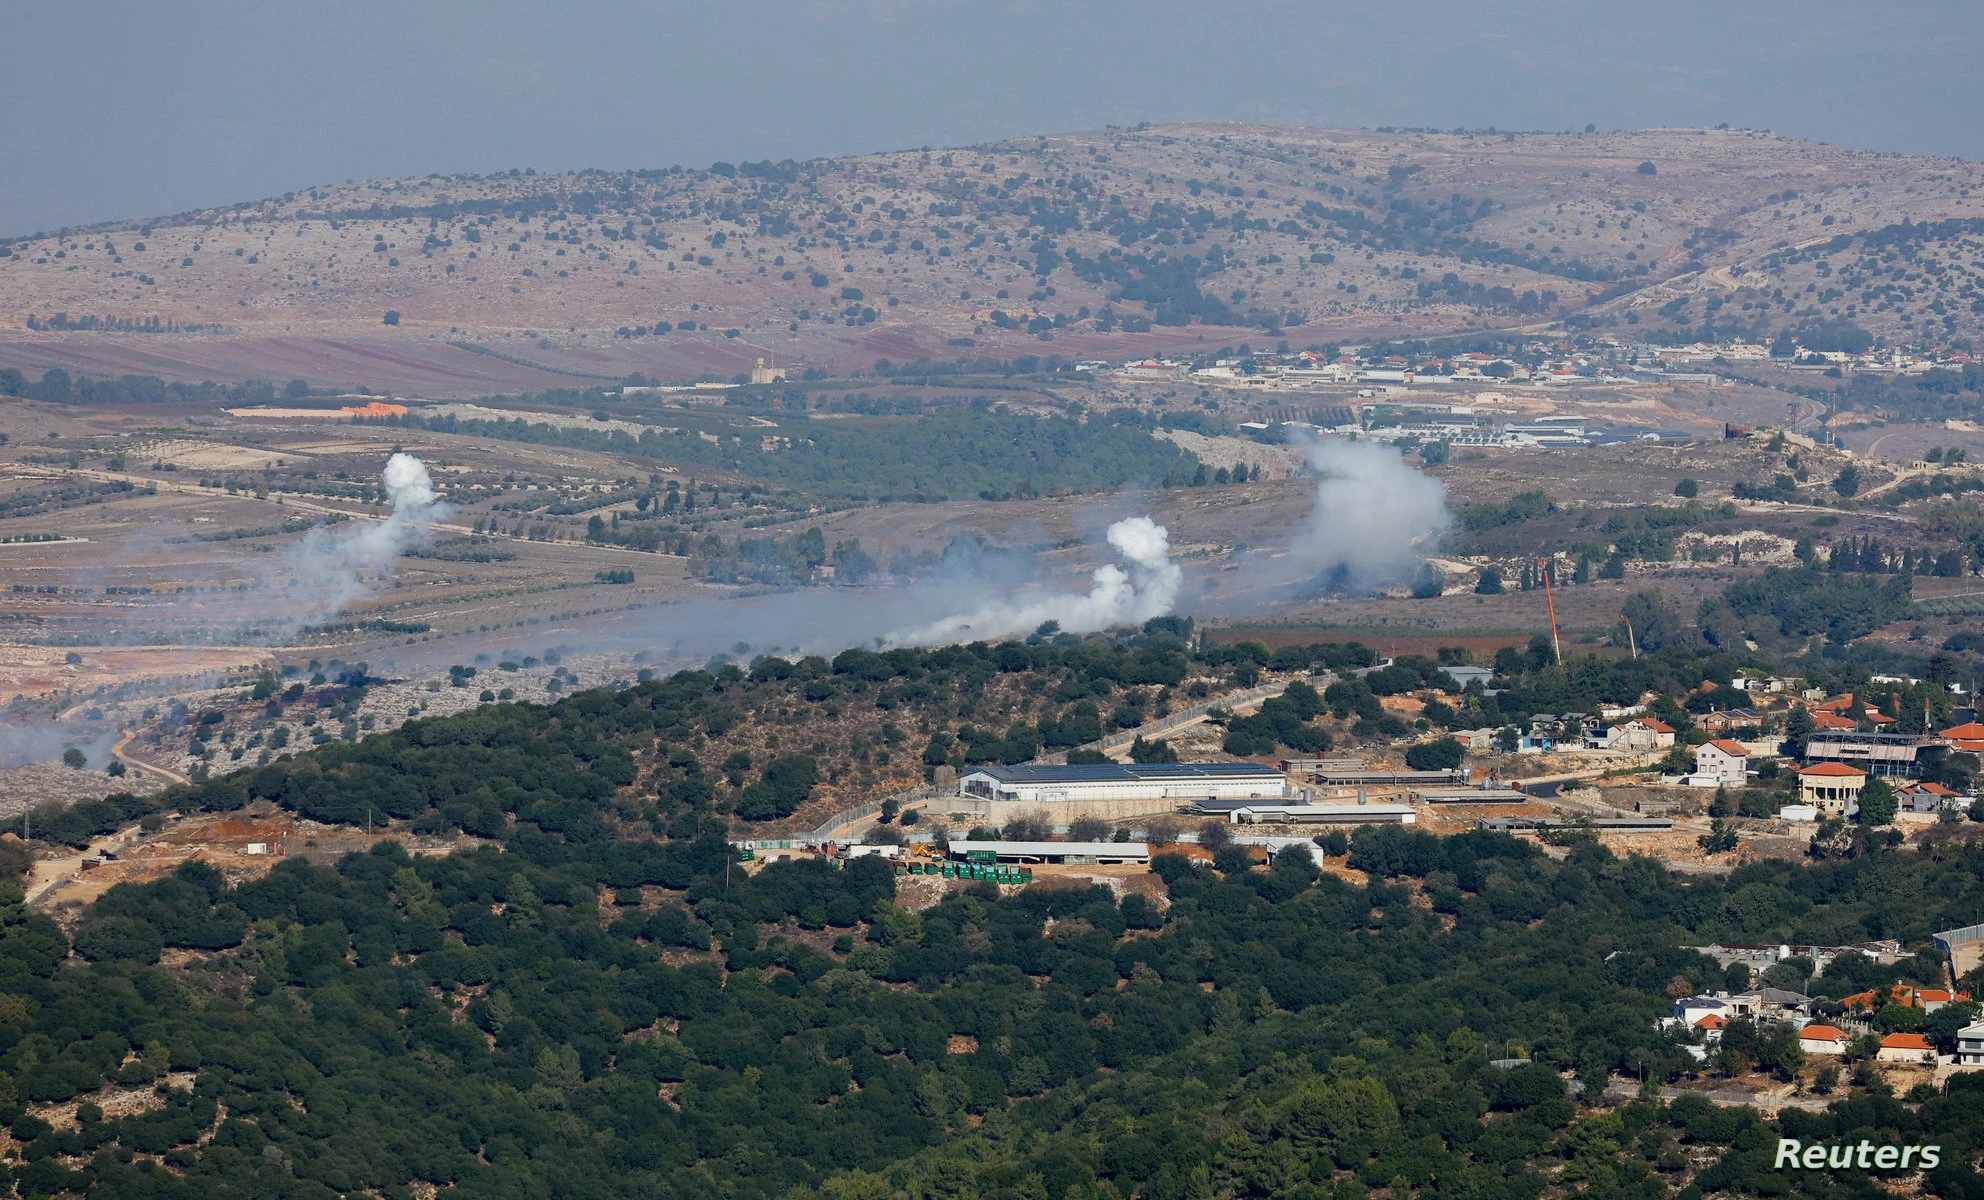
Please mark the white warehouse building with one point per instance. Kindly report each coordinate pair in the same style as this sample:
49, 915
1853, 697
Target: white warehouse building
1112, 790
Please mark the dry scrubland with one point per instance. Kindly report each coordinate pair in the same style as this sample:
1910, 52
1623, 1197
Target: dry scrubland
517, 281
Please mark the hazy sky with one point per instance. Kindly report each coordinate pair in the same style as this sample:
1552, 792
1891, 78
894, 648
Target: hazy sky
115, 108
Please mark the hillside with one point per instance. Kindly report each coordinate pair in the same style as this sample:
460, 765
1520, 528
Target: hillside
1105, 244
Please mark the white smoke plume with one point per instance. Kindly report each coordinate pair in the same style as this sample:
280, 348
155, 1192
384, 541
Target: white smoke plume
326, 572
1375, 518
1146, 586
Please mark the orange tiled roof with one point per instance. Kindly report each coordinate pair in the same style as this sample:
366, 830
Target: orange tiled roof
1904, 995
1905, 1041
1832, 770
1733, 749
1712, 1021
1821, 1033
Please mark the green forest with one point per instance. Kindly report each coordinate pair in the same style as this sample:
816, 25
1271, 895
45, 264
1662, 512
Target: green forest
559, 1018
937, 456
600, 1001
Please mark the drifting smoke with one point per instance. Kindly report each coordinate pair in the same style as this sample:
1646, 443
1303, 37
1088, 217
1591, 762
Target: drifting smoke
40, 740
1121, 595
1374, 521
326, 570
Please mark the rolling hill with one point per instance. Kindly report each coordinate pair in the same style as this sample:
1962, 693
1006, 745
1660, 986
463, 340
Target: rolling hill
1100, 244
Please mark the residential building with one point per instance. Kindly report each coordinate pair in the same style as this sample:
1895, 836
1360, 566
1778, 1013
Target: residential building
1822, 1039
1930, 798
1730, 721
1907, 1048
1832, 788
1641, 733
1726, 762
1905, 995
1970, 1045
1968, 738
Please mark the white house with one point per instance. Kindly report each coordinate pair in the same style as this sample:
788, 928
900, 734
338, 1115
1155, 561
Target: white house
1970, 1045
1822, 1039
1727, 762
1906, 1048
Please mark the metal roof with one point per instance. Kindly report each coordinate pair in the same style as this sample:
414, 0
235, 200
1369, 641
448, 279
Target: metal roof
1388, 777
1058, 849
1127, 772
1326, 810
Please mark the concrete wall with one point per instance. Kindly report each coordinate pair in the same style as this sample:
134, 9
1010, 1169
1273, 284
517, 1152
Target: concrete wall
999, 812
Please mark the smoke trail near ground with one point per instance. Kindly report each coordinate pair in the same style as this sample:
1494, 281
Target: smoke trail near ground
41, 740
1147, 586
1375, 518
325, 572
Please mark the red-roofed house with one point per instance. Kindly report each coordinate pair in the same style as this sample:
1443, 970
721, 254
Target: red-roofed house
1727, 762
1929, 798
1906, 1048
1833, 721
1968, 738
1832, 788
1822, 1039
1907, 996
1641, 733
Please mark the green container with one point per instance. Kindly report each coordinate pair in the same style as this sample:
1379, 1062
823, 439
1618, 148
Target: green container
916, 868
948, 872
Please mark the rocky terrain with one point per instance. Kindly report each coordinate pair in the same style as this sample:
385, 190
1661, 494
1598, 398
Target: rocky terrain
1101, 244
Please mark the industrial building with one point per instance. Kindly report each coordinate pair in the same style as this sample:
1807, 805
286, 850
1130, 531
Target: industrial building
1338, 773
1110, 790
1470, 795
1886, 754
1600, 825
1055, 852
1323, 814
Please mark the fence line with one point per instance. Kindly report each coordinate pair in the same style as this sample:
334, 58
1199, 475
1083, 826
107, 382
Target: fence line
1121, 737
860, 811
1183, 716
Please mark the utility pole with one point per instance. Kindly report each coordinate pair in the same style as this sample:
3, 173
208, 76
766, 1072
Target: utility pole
1550, 600
1631, 642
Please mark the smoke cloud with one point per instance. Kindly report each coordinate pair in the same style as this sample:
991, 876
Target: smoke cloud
325, 572
1375, 518
1145, 586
